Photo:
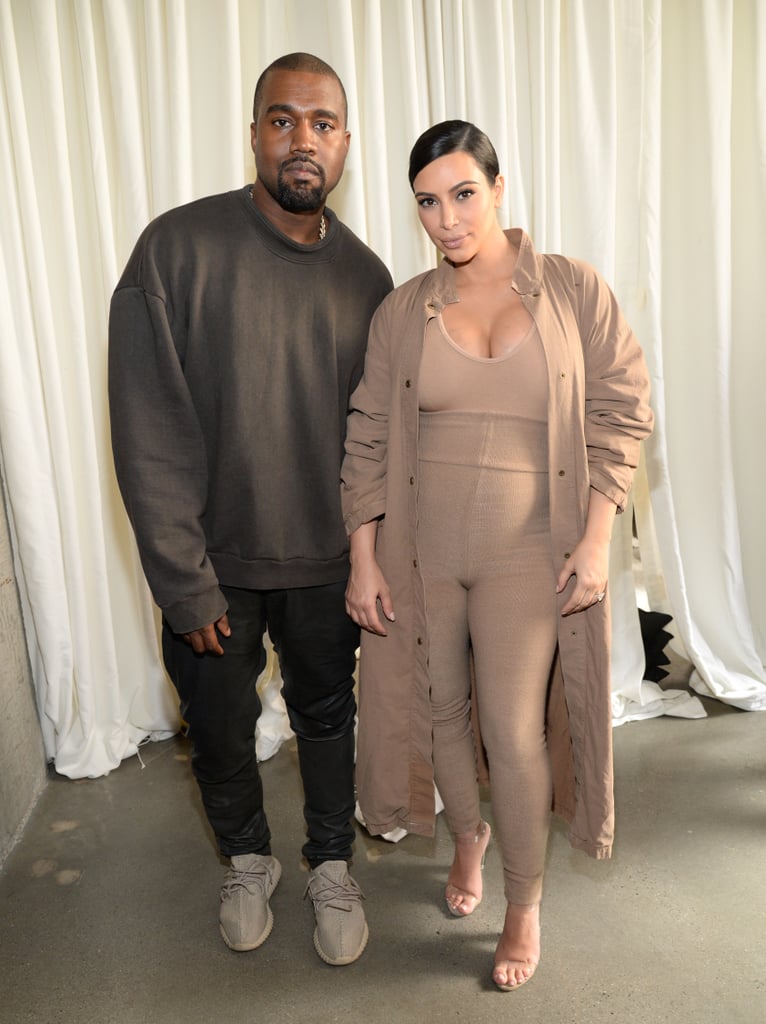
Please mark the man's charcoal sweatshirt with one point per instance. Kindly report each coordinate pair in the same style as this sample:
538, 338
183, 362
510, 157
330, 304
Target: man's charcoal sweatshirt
232, 354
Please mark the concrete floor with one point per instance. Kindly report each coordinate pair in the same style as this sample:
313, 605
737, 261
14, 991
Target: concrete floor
109, 904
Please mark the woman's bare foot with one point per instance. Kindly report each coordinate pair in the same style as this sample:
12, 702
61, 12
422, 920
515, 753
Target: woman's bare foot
464, 884
518, 951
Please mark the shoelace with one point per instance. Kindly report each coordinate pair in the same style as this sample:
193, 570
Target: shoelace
326, 893
245, 879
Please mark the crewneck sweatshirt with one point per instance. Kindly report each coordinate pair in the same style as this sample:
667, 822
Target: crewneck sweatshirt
233, 351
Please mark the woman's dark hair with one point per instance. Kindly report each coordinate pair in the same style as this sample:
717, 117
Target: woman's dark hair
454, 137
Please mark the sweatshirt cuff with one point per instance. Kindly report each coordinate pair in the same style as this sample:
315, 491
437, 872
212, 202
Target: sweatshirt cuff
195, 612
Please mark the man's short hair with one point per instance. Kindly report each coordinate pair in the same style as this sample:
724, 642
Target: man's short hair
305, 62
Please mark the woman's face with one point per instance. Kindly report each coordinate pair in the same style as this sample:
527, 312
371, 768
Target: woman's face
457, 205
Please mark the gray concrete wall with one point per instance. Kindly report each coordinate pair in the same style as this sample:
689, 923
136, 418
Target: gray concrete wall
22, 757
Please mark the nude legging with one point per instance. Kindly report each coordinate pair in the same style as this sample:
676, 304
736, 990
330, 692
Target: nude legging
485, 555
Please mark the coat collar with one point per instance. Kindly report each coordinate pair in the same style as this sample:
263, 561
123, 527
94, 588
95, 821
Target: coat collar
527, 274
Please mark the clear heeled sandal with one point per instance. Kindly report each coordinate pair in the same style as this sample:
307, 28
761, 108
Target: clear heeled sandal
519, 968
461, 902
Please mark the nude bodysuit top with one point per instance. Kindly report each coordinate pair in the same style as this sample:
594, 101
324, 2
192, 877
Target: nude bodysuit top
512, 388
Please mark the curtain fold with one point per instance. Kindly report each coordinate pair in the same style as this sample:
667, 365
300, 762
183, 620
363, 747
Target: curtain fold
692, 469
630, 133
748, 248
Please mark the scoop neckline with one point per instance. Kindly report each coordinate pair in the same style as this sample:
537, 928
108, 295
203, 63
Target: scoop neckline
482, 359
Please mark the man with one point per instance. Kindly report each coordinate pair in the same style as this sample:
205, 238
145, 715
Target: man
236, 335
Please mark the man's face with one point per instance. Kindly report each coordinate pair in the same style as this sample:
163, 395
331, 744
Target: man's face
300, 139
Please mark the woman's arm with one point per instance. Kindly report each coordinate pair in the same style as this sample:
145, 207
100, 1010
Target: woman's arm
363, 472
363, 480
617, 411
617, 418
589, 561
366, 583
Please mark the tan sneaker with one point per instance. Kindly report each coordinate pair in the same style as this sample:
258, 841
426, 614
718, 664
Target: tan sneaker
245, 916
341, 933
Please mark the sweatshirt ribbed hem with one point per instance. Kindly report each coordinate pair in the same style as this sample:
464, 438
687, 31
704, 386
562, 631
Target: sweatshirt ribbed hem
268, 574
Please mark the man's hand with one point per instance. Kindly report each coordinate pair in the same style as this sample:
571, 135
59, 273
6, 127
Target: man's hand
205, 640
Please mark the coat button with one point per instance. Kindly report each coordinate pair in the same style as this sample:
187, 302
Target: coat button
561, 472
420, 641
408, 383
412, 479
567, 554
414, 563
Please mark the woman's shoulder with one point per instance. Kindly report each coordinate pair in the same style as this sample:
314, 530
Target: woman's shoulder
410, 295
535, 270
416, 285
570, 269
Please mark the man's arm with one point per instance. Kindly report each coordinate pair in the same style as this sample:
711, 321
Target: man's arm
161, 463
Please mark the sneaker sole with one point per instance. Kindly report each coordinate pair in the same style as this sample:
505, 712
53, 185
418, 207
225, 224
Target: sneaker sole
341, 961
245, 947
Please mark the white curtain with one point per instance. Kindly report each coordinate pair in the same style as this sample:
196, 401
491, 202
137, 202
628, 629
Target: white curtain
631, 133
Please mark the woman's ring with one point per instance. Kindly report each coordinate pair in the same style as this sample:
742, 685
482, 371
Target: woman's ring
600, 597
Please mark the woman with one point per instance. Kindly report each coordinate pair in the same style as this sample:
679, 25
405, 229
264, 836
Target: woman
490, 443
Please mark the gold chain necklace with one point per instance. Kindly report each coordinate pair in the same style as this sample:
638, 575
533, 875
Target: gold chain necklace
322, 222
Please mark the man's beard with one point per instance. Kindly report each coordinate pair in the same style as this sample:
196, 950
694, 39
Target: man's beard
303, 199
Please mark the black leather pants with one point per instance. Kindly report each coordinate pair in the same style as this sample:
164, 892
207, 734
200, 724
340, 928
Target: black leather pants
316, 643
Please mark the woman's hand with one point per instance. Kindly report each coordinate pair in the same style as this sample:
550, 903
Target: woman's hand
589, 562
366, 583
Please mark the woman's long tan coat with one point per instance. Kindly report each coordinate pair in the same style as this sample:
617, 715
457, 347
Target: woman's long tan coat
598, 413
